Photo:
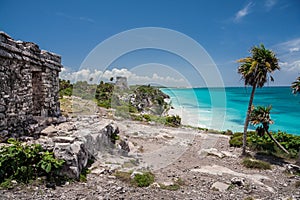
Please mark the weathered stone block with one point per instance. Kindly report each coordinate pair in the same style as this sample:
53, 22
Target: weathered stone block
27, 86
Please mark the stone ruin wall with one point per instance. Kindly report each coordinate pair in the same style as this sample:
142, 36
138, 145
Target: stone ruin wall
29, 85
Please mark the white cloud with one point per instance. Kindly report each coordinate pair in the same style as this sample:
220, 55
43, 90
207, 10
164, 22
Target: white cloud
291, 44
269, 4
295, 49
289, 55
94, 76
243, 12
81, 18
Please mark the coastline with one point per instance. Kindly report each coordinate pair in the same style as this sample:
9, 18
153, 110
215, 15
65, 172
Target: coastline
194, 107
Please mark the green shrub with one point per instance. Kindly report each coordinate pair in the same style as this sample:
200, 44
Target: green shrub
176, 186
256, 164
140, 180
236, 140
26, 162
143, 180
173, 120
173, 187
123, 112
264, 143
147, 117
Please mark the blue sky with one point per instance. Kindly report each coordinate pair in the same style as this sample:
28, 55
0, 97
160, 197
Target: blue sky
225, 29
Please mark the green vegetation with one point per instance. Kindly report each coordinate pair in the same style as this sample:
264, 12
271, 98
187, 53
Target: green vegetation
272, 143
128, 103
84, 90
170, 120
143, 180
85, 171
83, 174
174, 121
104, 93
261, 116
255, 70
140, 180
296, 86
24, 163
236, 140
264, 143
65, 88
178, 182
256, 164
173, 187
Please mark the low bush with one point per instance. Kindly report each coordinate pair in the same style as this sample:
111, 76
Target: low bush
264, 143
173, 120
236, 140
23, 163
140, 180
178, 182
173, 187
256, 164
143, 180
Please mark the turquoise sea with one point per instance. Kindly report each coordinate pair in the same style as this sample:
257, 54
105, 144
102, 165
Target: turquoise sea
225, 108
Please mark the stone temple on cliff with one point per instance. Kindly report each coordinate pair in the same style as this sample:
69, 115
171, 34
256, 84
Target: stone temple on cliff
29, 84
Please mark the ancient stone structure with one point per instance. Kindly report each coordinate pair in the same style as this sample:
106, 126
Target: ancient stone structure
121, 82
29, 85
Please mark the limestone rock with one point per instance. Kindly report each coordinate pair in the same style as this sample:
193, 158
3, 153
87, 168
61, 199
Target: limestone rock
211, 151
216, 152
75, 156
239, 181
134, 173
124, 147
222, 187
76, 149
49, 131
62, 139
292, 169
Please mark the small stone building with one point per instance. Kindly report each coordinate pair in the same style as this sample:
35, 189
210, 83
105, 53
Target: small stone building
121, 82
29, 85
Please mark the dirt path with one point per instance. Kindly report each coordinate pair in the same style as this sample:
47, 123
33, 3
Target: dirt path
203, 161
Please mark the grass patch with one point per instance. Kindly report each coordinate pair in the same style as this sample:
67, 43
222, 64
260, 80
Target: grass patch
139, 180
178, 182
143, 180
236, 140
256, 164
173, 187
123, 176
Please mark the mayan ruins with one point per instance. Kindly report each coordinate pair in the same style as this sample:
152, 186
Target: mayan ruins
29, 86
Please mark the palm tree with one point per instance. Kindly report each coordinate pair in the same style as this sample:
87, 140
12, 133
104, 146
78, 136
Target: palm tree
255, 71
261, 115
296, 86
296, 89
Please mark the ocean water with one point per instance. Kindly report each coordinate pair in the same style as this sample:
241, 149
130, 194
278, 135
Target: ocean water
225, 108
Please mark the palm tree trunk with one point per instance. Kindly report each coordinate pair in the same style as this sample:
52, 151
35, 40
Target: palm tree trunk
276, 142
247, 119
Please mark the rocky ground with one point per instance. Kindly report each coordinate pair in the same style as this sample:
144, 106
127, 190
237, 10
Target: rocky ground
203, 162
